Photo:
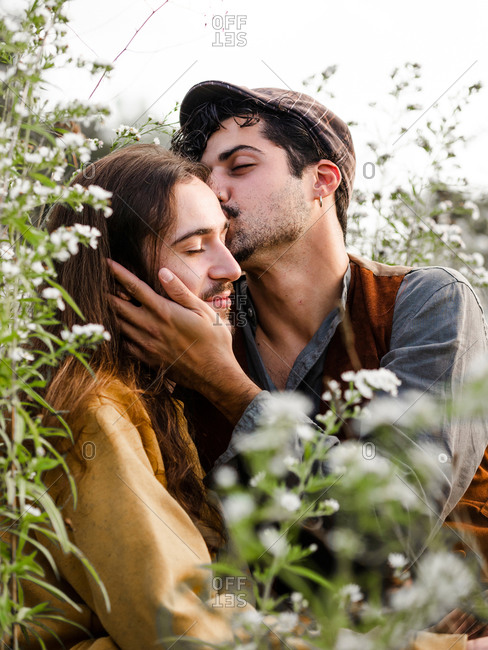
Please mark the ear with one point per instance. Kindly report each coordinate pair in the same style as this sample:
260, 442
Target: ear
327, 178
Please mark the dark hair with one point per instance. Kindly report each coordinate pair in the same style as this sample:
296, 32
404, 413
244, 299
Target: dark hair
282, 129
142, 179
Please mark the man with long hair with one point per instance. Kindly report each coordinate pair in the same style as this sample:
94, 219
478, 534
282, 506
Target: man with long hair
143, 517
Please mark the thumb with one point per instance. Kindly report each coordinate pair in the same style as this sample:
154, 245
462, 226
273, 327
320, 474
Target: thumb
178, 291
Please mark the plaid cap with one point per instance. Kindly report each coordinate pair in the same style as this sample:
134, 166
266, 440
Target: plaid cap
324, 126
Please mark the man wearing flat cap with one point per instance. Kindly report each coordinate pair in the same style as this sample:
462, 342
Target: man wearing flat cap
282, 166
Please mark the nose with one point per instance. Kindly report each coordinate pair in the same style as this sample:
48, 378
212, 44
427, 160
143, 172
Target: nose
219, 188
224, 267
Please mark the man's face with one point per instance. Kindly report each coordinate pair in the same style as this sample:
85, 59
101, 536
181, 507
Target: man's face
195, 248
267, 205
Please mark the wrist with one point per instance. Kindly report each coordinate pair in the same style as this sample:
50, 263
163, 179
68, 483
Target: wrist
231, 393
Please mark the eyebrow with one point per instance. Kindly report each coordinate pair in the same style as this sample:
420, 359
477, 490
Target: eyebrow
198, 232
225, 155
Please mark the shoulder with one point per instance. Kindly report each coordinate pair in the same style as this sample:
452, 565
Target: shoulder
437, 284
438, 303
111, 401
436, 277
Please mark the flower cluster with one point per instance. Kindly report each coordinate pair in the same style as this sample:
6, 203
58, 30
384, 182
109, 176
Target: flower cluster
66, 240
91, 332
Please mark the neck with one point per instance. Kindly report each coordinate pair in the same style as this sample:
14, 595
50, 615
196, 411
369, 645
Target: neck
294, 289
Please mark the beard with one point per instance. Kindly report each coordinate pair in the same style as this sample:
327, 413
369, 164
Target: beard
281, 219
217, 289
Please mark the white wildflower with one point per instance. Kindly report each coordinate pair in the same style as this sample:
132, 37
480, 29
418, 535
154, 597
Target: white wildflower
287, 406
349, 458
17, 354
346, 542
442, 580
10, 269
289, 501
475, 211
89, 233
19, 187
352, 593
411, 409
225, 477
157, 141
290, 461
21, 109
366, 381
90, 331
70, 140
32, 510
99, 193
51, 293
10, 24
248, 617
66, 243
46, 153
305, 432
273, 541
332, 505
255, 480
397, 560
40, 190
286, 623
6, 251
34, 158
237, 507
333, 391
58, 173
37, 267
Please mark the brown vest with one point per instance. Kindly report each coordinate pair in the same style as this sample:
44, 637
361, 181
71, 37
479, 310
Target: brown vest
361, 340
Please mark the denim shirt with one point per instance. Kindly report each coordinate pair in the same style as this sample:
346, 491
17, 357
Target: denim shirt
438, 331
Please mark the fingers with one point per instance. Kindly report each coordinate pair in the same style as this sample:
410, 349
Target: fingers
179, 292
141, 345
129, 312
135, 288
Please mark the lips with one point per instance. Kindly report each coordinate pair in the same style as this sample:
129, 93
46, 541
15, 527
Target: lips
221, 300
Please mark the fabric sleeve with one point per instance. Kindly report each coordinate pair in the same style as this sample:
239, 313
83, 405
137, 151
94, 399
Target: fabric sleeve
143, 545
248, 424
438, 331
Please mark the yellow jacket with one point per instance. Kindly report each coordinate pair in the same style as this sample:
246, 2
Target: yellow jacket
143, 545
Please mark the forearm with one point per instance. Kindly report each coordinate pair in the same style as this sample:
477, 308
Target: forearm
231, 392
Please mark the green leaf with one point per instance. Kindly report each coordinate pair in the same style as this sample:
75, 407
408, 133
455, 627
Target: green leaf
44, 180
310, 574
66, 297
54, 591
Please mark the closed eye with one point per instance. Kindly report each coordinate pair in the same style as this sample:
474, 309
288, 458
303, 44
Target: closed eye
242, 166
197, 250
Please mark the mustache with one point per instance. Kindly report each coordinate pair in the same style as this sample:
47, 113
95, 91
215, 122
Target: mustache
231, 211
217, 289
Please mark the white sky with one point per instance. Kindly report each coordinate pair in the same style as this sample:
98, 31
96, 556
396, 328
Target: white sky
285, 43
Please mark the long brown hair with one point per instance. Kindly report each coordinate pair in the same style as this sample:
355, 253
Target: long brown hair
142, 179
